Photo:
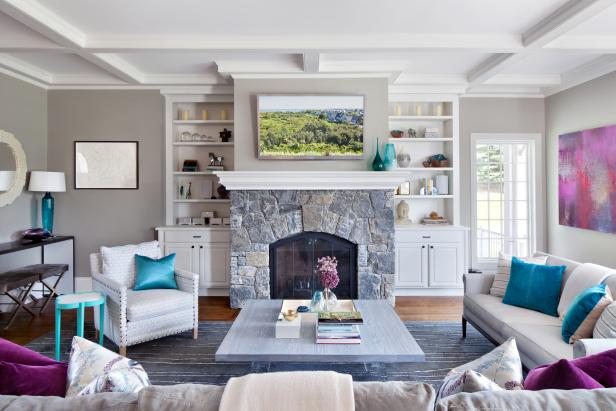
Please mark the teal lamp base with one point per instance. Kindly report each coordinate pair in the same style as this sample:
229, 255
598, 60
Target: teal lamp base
47, 212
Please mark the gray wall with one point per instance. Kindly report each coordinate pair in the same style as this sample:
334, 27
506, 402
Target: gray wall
499, 115
107, 217
588, 105
245, 107
23, 112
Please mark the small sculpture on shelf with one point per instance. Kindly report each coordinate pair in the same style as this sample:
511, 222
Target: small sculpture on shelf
215, 162
437, 160
223, 193
402, 210
225, 135
412, 133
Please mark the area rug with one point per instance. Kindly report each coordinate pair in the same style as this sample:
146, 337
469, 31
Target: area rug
180, 359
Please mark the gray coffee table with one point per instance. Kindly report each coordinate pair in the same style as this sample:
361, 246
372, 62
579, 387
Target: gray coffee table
384, 338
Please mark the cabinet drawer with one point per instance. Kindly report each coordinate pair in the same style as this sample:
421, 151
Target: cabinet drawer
427, 236
197, 236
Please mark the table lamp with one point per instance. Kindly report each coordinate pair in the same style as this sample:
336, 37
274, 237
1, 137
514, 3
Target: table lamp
47, 182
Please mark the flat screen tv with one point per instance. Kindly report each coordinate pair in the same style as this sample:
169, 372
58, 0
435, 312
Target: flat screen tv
310, 127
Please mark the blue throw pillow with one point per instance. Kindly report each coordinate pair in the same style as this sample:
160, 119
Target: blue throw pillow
578, 322
536, 287
153, 274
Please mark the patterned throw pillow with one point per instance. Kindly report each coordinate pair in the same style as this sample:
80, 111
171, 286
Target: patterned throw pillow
501, 278
606, 326
584, 312
93, 369
501, 366
119, 262
469, 381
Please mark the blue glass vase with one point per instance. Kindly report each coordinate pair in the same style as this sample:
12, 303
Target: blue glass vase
389, 159
47, 212
377, 163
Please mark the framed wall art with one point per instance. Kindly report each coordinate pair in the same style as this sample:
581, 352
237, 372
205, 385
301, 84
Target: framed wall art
587, 179
107, 165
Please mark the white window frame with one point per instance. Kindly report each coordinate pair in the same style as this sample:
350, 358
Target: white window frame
534, 142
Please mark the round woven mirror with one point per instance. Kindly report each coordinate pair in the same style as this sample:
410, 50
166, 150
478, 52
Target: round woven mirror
12, 168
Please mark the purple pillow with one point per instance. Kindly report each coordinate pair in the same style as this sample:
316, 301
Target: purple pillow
20, 379
561, 375
601, 367
17, 354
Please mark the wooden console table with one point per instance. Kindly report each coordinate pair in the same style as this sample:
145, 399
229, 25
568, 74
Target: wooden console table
60, 250
56, 250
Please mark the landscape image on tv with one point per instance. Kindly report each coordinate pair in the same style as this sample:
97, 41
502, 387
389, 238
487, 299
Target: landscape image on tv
310, 126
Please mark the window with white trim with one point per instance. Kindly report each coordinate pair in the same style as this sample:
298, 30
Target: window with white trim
503, 187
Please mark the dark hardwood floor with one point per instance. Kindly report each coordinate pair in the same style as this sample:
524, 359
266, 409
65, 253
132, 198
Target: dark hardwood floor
26, 328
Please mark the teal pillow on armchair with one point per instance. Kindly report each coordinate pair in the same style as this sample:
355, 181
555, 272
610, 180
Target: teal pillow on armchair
154, 274
536, 287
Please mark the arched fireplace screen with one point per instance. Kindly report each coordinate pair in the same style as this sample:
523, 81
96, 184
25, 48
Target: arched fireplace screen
293, 265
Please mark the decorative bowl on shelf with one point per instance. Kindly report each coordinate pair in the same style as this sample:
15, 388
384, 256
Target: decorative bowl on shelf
396, 133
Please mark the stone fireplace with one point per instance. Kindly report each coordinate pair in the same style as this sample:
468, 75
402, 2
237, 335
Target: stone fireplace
348, 214
260, 218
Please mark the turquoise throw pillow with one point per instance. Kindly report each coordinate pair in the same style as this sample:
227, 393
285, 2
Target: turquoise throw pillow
536, 287
153, 274
593, 298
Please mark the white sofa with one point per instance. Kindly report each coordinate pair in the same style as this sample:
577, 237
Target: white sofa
538, 336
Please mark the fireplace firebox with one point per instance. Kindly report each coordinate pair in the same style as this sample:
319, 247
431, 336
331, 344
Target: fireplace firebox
293, 265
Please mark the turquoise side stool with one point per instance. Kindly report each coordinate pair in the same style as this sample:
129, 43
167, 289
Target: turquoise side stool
79, 301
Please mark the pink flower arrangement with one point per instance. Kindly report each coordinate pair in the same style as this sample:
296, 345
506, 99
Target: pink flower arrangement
328, 271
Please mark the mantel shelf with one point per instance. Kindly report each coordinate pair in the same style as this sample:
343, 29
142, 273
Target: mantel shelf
311, 180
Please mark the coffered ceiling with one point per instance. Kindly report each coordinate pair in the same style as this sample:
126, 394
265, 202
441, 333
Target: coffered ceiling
472, 47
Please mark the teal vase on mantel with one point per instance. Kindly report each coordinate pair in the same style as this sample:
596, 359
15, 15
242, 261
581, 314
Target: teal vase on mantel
377, 163
389, 157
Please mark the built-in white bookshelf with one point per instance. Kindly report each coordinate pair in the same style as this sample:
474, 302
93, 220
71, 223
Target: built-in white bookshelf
438, 113
192, 127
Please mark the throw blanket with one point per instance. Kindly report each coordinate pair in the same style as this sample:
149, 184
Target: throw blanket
297, 391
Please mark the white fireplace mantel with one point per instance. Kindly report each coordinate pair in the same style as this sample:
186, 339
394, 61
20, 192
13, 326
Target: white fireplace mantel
311, 180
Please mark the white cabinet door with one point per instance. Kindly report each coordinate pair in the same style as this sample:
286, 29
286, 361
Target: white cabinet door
412, 265
186, 256
214, 265
446, 264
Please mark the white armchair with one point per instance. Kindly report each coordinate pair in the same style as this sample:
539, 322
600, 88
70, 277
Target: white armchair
133, 317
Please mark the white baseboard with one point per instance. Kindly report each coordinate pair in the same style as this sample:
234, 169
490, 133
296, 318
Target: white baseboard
83, 284
429, 292
213, 292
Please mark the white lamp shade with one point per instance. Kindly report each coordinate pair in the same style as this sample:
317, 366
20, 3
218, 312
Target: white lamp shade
47, 181
7, 178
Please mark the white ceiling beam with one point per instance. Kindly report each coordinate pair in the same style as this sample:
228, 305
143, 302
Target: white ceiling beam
548, 29
604, 44
562, 20
300, 44
24, 69
589, 71
525, 79
50, 25
311, 62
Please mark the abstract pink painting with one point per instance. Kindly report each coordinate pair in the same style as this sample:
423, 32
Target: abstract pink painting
587, 179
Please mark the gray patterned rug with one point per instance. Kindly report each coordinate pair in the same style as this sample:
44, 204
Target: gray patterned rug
180, 359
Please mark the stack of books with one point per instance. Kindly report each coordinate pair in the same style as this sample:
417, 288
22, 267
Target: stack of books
339, 327
435, 221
